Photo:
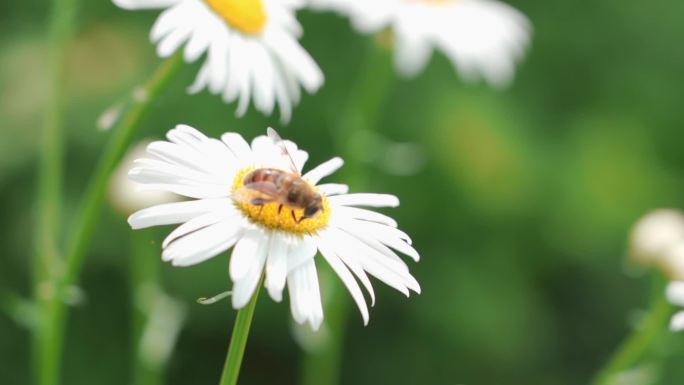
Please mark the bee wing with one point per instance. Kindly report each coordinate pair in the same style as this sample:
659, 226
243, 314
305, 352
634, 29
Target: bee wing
256, 193
278, 141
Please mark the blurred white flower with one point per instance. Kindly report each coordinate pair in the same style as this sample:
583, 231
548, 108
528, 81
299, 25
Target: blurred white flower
251, 45
481, 38
278, 238
124, 194
675, 294
657, 239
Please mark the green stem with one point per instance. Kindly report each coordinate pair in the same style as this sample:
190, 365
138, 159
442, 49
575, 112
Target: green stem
123, 133
637, 344
352, 140
238, 341
46, 265
145, 287
53, 311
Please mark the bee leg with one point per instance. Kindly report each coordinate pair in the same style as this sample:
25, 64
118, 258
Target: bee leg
280, 208
293, 216
261, 208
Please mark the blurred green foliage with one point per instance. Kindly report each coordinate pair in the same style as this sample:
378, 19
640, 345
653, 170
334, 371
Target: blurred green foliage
521, 208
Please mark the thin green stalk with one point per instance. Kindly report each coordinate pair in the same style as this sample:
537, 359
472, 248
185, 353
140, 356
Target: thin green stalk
638, 343
145, 287
53, 313
352, 141
238, 341
122, 135
46, 263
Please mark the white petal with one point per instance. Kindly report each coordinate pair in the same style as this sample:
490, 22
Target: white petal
144, 4
244, 253
350, 258
365, 199
173, 40
332, 189
177, 212
677, 322
276, 268
341, 270
243, 289
412, 51
305, 297
237, 144
323, 170
300, 251
366, 215
394, 274
198, 223
168, 20
197, 192
675, 293
202, 244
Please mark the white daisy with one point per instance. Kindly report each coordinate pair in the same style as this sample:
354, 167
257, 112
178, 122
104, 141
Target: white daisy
251, 45
482, 38
657, 239
267, 236
123, 193
675, 294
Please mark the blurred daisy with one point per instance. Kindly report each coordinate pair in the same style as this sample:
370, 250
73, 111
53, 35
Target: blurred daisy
266, 234
481, 38
675, 294
123, 192
657, 239
251, 45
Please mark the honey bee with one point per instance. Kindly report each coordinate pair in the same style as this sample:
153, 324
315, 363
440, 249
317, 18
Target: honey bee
269, 185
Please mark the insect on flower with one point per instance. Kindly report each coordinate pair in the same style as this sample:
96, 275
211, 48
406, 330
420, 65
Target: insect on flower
256, 200
265, 185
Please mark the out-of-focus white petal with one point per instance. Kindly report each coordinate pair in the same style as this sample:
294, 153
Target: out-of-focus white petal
144, 4
675, 293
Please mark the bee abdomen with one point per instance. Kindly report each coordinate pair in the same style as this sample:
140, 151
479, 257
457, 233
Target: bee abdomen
263, 175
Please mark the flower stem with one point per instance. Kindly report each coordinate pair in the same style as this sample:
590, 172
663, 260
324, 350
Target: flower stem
141, 103
145, 288
50, 330
238, 341
46, 265
637, 344
352, 140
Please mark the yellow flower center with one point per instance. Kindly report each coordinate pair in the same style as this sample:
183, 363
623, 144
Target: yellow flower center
247, 16
285, 218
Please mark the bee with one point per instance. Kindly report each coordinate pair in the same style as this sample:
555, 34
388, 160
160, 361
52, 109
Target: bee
269, 185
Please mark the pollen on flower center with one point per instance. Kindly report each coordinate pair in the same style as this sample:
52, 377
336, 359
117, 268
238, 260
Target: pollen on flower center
275, 216
247, 16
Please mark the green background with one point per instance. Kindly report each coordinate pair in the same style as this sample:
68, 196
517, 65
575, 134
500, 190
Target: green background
520, 201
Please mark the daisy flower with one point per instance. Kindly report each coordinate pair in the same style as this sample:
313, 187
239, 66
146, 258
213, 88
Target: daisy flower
657, 239
251, 45
270, 236
675, 294
481, 38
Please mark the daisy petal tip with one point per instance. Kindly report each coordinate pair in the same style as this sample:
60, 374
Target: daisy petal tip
677, 322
